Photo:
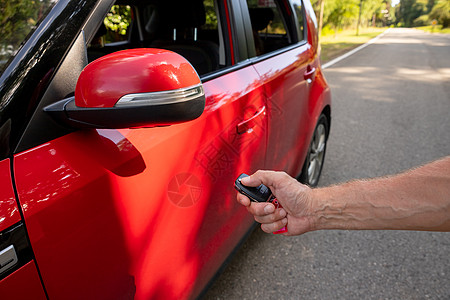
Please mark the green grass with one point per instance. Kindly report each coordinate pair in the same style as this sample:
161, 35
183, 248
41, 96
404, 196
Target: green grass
434, 29
335, 45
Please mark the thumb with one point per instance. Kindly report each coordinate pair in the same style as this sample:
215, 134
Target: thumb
250, 181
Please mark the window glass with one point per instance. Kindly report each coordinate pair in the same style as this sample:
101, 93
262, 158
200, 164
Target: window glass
300, 19
269, 27
116, 28
190, 28
118, 24
18, 20
211, 15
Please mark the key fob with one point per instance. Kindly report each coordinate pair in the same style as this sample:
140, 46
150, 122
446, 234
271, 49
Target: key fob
260, 193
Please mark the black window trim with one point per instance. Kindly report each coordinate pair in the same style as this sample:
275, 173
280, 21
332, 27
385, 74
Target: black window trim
63, 22
251, 53
79, 46
244, 36
304, 34
93, 22
30, 138
269, 55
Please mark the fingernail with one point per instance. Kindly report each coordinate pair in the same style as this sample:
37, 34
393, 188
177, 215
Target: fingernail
284, 221
269, 209
245, 180
282, 213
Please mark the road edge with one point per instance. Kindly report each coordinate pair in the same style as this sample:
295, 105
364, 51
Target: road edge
344, 56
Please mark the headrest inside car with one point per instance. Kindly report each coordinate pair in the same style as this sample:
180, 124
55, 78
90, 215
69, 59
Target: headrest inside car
260, 17
183, 14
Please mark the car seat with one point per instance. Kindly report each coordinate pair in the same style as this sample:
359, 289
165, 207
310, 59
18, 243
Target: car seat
175, 26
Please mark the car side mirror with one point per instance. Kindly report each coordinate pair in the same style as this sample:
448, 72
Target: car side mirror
133, 88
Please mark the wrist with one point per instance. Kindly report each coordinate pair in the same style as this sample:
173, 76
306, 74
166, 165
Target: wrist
315, 199
328, 209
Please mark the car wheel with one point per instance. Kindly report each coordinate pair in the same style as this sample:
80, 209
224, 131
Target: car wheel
312, 167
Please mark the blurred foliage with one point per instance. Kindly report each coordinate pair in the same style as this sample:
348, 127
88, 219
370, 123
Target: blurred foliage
332, 47
423, 20
435, 28
211, 16
409, 10
343, 14
18, 18
423, 12
441, 13
117, 22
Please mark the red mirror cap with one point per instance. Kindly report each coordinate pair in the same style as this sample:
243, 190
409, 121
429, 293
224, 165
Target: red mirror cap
104, 81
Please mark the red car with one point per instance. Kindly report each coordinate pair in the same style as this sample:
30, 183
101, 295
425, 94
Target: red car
123, 125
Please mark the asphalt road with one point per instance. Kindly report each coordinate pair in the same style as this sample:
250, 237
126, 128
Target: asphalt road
391, 112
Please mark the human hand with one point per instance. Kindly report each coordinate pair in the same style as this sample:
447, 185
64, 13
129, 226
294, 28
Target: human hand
294, 197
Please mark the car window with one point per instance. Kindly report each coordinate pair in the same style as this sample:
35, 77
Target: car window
193, 29
298, 9
117, 24
18, 19
269, 27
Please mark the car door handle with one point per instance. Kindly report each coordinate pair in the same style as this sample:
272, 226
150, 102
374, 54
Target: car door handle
245, 125
310, 72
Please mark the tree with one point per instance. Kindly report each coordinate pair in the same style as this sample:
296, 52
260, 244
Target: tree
343, 13
359, 17
18, 18
409, 10
441, 13
338, 14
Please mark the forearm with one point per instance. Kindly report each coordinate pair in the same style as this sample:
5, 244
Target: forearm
415, 200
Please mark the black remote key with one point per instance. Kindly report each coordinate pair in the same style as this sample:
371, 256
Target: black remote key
260, 193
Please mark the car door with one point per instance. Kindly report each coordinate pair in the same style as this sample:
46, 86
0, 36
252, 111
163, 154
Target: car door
19, 278
284, 59
145, 213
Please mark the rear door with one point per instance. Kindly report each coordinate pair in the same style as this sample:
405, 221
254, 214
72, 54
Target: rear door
285, 61
141, 213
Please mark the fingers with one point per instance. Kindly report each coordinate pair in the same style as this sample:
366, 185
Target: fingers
267, 218
284, 187
275, 226
258, 209
265, 213
270, 222
295, 198
268, 178
259, 177
243, 199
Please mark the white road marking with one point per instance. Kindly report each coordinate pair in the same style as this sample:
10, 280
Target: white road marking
338, 59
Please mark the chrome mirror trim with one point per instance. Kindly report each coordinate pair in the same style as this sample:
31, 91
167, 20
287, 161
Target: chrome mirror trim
164, 97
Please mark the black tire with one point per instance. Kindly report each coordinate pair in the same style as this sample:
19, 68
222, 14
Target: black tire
312, 167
